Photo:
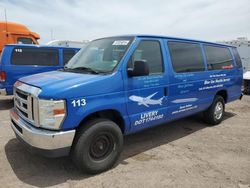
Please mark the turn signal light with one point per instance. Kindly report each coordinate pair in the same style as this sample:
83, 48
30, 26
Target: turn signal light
59, 111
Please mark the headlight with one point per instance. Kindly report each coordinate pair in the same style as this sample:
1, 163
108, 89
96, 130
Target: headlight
51, 113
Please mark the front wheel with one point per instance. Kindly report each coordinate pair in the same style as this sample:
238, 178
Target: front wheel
97, 146
215, 113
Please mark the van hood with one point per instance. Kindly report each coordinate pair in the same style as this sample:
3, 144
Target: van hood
60, 85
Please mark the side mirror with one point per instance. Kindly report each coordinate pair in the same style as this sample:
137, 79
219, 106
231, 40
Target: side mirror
140, 69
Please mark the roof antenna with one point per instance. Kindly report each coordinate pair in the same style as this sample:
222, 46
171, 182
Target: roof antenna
6, 24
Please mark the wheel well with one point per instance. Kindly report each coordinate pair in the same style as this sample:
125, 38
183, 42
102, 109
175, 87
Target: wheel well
112, 115
223, 93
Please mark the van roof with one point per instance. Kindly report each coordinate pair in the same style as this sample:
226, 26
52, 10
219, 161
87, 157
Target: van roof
173, 38
38, 46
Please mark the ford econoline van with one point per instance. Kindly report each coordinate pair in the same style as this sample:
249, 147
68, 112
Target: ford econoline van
118, 86
18, 61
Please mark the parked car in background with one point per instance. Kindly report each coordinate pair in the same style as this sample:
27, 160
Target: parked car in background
15, 33
18, 61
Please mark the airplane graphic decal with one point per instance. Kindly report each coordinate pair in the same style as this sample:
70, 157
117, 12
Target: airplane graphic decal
146, 101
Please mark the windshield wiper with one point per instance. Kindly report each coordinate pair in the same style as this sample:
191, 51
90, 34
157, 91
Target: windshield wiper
87, 69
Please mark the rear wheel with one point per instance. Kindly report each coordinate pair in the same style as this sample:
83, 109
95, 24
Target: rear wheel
215, 113
247, 87
97, 146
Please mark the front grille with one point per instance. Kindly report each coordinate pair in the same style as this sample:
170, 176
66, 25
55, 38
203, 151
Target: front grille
24, 104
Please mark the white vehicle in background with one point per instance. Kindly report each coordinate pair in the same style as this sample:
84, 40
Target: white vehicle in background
243, 47
68, 43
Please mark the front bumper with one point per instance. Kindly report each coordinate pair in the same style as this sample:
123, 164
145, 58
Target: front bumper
3, 92
40, 141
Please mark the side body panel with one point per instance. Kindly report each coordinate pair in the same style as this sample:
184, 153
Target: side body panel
187, 93
194, 92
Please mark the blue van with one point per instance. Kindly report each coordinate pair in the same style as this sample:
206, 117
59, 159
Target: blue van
118, 86
22, 60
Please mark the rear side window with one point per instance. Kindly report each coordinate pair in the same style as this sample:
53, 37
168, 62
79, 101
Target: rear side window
34, 56
237, 57
67, 55
150, 52
218, 57
186, 57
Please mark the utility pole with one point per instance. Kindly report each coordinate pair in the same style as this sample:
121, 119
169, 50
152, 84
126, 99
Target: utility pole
5, 18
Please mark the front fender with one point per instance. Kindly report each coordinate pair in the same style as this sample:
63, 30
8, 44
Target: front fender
79, 108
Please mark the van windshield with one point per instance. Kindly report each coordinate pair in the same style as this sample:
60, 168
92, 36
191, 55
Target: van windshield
100, 56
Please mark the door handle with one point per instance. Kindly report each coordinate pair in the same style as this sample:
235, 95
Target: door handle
165, 91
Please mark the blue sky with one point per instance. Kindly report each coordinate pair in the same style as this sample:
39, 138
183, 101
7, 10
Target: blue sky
210, 20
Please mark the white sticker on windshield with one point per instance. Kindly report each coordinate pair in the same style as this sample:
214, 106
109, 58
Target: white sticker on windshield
120, 42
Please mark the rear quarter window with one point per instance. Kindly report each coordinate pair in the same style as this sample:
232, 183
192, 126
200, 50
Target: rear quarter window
237, 57
34, 56
218, 57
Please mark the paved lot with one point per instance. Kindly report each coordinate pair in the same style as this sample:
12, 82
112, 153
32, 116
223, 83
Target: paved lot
183, 153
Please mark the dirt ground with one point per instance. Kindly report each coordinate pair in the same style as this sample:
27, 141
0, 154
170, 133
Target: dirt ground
184, 153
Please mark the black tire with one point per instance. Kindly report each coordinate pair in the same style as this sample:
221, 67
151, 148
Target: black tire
97, 146
211, 115
246, 87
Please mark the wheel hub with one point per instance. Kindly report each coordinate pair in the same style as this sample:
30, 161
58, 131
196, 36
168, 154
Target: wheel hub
218, 110
101, 146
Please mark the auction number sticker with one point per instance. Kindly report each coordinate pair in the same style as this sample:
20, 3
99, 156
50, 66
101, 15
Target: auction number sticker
120, 43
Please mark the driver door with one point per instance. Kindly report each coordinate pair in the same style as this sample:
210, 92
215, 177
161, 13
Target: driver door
147, 95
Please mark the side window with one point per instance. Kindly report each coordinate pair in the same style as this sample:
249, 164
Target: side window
186, 57
218, 57
237, 57
25, 41
34, 56
67, 55
150, 52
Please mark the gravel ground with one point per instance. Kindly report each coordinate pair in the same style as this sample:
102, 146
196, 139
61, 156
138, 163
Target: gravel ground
184, 153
